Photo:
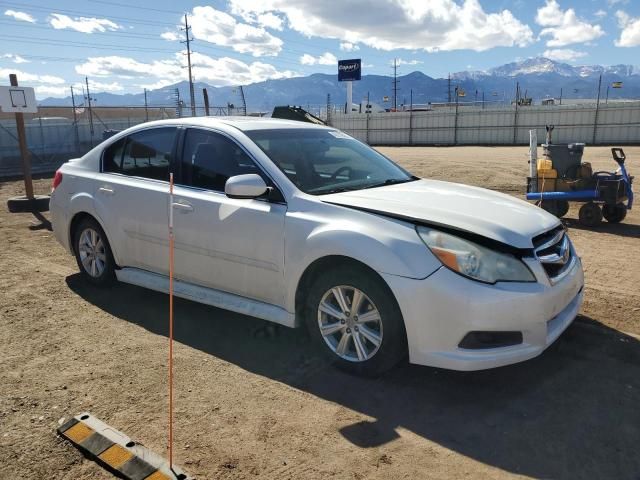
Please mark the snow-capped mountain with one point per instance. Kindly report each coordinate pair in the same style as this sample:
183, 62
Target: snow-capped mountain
546, 66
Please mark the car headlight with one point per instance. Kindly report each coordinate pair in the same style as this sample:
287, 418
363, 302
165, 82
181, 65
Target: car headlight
474, 261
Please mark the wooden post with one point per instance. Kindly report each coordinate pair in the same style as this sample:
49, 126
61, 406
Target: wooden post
22, 141
206, 101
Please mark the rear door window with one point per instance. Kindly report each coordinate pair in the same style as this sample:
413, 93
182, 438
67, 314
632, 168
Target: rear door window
146, 154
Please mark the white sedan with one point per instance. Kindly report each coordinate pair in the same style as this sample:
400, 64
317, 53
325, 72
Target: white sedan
303, 225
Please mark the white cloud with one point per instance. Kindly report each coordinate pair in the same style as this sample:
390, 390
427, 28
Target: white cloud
160, 73
220, 28
615, 2
269, 20
564, 54
326, 58
15, 58
408, 62
564, 27
125, 67
348, 47
26, 77
82, 24
630, 34
25, 17
96, 87
410, 24
171, 36
230, 71
43, 91
600, 13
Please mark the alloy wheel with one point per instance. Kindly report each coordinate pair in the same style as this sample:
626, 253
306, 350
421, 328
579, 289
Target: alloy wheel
350, 323
92, 252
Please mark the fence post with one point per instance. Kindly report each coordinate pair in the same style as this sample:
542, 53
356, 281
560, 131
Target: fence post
455, 122
42, 149
515, 115
595, 120
411, 117
75, 122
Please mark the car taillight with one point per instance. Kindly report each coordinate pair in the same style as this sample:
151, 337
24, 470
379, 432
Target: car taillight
57, 180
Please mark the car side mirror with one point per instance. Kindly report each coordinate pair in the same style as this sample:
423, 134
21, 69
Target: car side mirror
249, 185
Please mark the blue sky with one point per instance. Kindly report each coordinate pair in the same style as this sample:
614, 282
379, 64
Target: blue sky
125, 46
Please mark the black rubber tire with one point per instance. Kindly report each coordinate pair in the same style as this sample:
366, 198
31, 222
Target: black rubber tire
393, 348
559, 208
590, 215
40, 203
108, 276
614, 213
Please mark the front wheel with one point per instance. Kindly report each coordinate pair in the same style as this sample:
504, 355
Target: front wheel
355, 320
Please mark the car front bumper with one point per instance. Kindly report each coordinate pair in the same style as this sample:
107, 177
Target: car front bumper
441, 309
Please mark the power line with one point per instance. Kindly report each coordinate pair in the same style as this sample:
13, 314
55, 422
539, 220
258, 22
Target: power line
41, 8
71, 43
128, 5
151, 36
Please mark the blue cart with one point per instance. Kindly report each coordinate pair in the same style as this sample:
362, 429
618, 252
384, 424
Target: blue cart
605, 194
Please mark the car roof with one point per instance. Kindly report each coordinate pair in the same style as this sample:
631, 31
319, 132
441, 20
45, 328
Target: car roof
241, 123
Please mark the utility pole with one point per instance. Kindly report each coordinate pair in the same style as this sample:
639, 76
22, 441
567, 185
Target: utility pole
188, 42
86, 79
449, 89
75, 117
146, 110
328, 109
560, 95
395, 84
178, 104
244, 102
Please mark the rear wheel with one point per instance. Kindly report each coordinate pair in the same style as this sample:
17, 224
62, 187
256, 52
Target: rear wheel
355, 320
93, 253
590, 215
614, 213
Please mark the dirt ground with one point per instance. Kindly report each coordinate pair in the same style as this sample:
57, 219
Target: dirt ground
256, 402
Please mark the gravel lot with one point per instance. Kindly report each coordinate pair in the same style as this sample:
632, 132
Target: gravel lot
254, 401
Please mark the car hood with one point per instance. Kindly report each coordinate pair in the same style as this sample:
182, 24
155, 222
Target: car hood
476, 210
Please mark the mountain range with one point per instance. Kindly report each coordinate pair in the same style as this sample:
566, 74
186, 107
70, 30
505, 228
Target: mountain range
538, 78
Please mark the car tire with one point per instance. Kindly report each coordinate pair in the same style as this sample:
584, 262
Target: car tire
368, 341
614, 213
39, 203
93, 253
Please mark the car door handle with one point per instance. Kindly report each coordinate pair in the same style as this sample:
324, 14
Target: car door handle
106, 190
183, 207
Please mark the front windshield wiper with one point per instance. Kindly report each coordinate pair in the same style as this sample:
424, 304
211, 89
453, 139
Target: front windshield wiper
392, 181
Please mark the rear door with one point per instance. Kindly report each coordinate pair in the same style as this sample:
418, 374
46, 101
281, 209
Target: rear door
132, 197
234, 245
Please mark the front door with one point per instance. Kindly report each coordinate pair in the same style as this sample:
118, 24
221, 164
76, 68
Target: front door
233, 245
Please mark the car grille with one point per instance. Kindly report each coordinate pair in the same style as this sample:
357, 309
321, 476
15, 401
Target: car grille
553, 250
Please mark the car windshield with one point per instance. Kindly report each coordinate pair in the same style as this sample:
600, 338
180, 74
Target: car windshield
320, 161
